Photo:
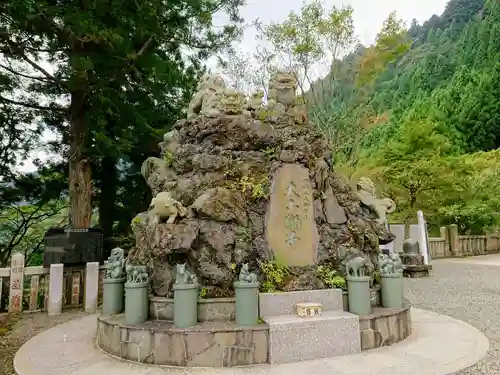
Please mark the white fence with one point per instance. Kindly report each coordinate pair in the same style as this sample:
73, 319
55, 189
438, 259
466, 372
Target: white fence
50, 289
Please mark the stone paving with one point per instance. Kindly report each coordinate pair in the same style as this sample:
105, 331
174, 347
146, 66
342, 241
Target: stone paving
467, 289
439, 345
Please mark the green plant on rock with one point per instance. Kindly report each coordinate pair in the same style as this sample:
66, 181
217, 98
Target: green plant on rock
169, 158
270, 153
203, 292
274, 275
136, 221
267, 112
329, 276
245, 234
258, 188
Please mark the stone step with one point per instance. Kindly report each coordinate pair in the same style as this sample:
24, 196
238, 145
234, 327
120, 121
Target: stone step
284, 303
293, 338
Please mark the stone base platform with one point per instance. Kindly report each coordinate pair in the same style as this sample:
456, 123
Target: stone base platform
209, 309
438, 344
416, 271
384, 327
208, 344
293, 338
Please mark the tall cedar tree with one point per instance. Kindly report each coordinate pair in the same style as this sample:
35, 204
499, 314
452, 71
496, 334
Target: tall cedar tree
98, 72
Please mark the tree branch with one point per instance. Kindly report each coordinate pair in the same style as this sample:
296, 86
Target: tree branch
33, 106
42, 79
38, 67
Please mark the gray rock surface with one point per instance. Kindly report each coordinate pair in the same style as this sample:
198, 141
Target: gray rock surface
223, 169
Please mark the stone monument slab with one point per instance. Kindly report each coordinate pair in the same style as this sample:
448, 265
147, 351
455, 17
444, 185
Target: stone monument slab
16, 283
423, 238
291, 231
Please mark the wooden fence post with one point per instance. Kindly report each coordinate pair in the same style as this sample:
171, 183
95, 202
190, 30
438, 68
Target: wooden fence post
16, 283
56, 289
91, 286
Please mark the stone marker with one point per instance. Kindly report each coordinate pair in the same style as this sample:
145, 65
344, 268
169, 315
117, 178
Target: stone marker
16, 283
91, 287
291, 231
422, 227
55, 289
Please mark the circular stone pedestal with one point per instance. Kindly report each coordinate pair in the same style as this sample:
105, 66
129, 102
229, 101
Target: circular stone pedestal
208, 344
384, 327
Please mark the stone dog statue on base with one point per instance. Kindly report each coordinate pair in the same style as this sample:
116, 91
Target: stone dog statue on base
390, 264
136, 274
358, 267
116, 264
183, 276
246, 275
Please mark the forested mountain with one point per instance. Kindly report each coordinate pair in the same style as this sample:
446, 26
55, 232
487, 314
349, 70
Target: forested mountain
435, 112
450, 75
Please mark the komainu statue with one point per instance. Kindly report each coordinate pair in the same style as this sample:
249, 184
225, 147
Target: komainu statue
231, 102
136, 274
116, 264
282, 96
246, 276
207, 97
378, 207
254, 103
164, 207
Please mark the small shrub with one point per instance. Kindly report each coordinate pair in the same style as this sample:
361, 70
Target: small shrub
330, 278
203, 292
258, 188
274, 275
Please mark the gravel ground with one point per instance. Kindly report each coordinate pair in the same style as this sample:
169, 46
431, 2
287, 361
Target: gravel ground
464, 291
467, 292
23, 327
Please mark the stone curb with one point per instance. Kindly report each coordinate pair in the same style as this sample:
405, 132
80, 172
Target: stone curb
439, 344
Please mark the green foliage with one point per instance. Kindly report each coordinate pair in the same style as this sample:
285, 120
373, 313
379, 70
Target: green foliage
258, 188
330, 278
391, 43
270, 153
120, 77
430, 115
169, 158
274, 275
28, 207
477, 190
203, 293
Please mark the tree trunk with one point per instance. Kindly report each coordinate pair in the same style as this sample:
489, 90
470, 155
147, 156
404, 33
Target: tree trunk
80, 174
407, 227
413, 203
107, 199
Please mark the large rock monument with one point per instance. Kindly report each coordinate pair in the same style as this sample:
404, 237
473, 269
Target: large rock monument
242, 182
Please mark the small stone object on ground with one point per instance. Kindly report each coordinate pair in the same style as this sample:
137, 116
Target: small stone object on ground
306, 309
411, 247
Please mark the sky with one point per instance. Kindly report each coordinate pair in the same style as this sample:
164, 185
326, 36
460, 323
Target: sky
368, 19
368, 15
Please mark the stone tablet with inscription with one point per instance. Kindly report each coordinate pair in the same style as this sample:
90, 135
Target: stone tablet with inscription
291, 231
